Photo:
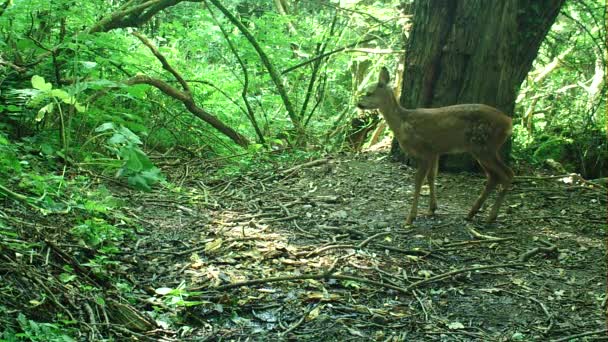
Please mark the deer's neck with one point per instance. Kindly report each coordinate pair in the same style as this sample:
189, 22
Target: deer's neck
393, 113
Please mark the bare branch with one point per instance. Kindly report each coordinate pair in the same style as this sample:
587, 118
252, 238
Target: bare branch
163, 61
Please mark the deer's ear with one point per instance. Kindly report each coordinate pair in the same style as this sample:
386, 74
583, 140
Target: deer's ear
384, 78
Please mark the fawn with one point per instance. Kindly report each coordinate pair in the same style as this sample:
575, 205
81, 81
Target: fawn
427, 133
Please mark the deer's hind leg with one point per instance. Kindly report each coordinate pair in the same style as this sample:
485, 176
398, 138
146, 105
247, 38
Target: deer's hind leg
490, 185
505, 179
498, 174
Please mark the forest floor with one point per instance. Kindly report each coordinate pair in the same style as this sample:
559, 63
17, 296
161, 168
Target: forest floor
319, 252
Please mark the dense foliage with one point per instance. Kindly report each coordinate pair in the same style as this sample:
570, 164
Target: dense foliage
98, 88
561, 111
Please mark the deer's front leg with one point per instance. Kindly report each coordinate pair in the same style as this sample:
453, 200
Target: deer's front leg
432, 174
423, 168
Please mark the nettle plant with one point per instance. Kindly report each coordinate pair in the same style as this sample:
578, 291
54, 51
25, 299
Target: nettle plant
134, 163
51, 101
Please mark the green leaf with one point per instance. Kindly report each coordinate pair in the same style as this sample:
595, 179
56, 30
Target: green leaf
43, 111
66, 277
163, 290
47, 149
88, 64
117, 139
132, 137
139, 182
60, 94
80, 108
455, 326
39, 83
105, 127
132, 161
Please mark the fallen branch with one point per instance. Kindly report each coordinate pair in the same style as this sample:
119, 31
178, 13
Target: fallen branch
316, 276
475, 242
421, 252
369, 239
298, 323
326, 248
542, 306
482, 236
281, 219
345, 246
549, 249
455, 272
316, 162
588, 333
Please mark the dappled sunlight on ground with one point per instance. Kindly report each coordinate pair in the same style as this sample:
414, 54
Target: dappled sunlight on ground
322, 251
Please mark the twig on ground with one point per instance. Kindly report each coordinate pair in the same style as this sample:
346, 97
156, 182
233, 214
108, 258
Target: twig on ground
550, 249
475, 242
344, 246
326, 248
426, 314
481, 236
542, 306
284, 173
588, 333
316, 276
420, 252
369, 239
280, 219
455, 272
298, 323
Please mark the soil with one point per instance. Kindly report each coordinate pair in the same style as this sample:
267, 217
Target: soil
313, 220
320, 252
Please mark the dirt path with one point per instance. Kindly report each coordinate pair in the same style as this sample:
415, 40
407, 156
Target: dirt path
320, 253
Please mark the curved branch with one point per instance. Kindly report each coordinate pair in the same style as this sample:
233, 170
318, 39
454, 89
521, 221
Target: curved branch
184, 96
323, 55
133, 16
189, 103
163, 61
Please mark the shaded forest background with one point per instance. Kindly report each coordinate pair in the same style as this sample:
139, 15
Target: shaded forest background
107, 93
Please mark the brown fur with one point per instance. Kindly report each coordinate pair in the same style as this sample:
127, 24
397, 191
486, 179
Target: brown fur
426, 133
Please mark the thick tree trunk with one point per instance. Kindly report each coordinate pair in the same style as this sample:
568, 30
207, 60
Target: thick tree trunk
473, 51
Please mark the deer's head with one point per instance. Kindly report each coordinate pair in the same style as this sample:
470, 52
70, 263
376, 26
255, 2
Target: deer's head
378, 93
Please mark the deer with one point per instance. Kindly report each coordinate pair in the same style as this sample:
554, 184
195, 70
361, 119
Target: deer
427, 133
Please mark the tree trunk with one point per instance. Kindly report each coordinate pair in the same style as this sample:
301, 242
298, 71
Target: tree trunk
473, 51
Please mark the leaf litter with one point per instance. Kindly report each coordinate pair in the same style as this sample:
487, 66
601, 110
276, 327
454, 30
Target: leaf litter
318, 251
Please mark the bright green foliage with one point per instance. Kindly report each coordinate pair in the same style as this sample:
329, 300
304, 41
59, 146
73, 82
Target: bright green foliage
561, 111
178, 296
69, 104
135, 165
9, 163
96, 231
93, 67
36, 331
46, 92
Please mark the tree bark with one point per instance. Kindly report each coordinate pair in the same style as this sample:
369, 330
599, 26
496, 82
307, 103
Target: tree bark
473, 51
